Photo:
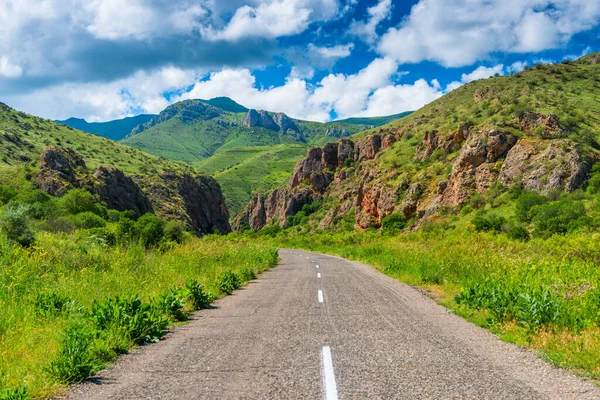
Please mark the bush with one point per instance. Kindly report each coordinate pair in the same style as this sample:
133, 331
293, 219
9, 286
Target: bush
139, 322
103, 236
559, 217
77, 201
393, 223
247, 274
172, 302
16, 226
199, 298
7, 193
525, 202
174, 231
75, 360
518, 232
228, 281
149, 229
88, 220
489, 223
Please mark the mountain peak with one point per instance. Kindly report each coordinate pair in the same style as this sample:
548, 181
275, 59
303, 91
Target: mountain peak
227, 104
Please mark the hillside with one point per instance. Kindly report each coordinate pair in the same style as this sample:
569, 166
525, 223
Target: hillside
536, 131
114, 130
57, 159
193, 130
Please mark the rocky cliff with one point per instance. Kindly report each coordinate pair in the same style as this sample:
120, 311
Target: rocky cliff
194, 199
490, 133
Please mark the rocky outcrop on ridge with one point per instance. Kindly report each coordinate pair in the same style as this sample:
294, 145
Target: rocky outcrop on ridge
194, 199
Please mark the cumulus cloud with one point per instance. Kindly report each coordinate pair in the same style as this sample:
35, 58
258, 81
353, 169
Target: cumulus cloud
369, 92
333, 52
461, 32
8, 69
480, 72
367, 30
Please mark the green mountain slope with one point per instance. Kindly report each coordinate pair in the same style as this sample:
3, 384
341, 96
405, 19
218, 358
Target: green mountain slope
23, 137
114, 130
466, 158
193, 130
242, 171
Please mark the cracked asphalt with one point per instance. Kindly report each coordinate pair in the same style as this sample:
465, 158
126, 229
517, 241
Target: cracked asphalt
386, 340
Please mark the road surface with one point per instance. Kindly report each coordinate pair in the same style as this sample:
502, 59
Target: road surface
321, 327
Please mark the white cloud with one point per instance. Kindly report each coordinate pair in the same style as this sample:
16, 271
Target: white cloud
142, 92
517, 66
367, 30
331, 53
9, 69
480, 72
461, 32
369, 92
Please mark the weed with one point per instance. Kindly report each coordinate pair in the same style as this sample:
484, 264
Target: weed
199, 298
228, 281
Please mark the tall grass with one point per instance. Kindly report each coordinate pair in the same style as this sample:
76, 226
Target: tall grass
55, 295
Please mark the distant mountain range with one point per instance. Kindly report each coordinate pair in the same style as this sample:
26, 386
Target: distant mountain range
114, 130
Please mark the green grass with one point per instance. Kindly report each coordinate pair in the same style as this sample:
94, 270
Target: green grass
34, 347
243, 171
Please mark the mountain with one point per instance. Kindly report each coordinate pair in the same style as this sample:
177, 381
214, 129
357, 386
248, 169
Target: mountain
193, 130
114, 130
479, 147
56, 158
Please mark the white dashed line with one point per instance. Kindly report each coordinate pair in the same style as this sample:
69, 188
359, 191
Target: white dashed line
318, 274
320, 296
328, 376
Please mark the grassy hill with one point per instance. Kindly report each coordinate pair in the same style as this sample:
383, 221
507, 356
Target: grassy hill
193, 130
23, 137
243, 171
114, 130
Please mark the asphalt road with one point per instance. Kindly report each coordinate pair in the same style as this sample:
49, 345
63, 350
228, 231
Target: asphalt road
363, 336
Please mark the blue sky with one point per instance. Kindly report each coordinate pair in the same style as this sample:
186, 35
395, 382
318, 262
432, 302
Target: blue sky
312, 59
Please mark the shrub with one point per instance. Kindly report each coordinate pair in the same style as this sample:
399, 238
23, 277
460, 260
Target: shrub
75, 360
77, 201
199, 298
174, 231
525, 202
126, 230
172, 302
228, 281
16, 226
103, 236
88, 220
489, 223
518, 232
51, 304
393, 223
247, 274
594, 181
139, 322
149, 229
559, 217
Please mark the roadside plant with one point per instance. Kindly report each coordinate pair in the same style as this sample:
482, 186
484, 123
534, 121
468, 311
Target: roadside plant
228, 281
196, 294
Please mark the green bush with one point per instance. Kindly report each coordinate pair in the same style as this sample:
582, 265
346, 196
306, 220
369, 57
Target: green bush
559, 217
171, 302
393, 223
77, 201
7, 193
88, 220
137, 321
174, 231
518, 232
228, 281
75, 360
525, 202
247, 274
149, 229
489, 223
103, 236
199, 298
594, 181
15, 224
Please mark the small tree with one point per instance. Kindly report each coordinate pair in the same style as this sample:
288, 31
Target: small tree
16, 226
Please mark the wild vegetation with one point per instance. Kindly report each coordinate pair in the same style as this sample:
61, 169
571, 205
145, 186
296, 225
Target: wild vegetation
80, 284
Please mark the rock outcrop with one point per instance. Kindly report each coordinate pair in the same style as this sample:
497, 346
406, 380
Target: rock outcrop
194, 199
118, 191
543, 167
61, 169
261, 119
